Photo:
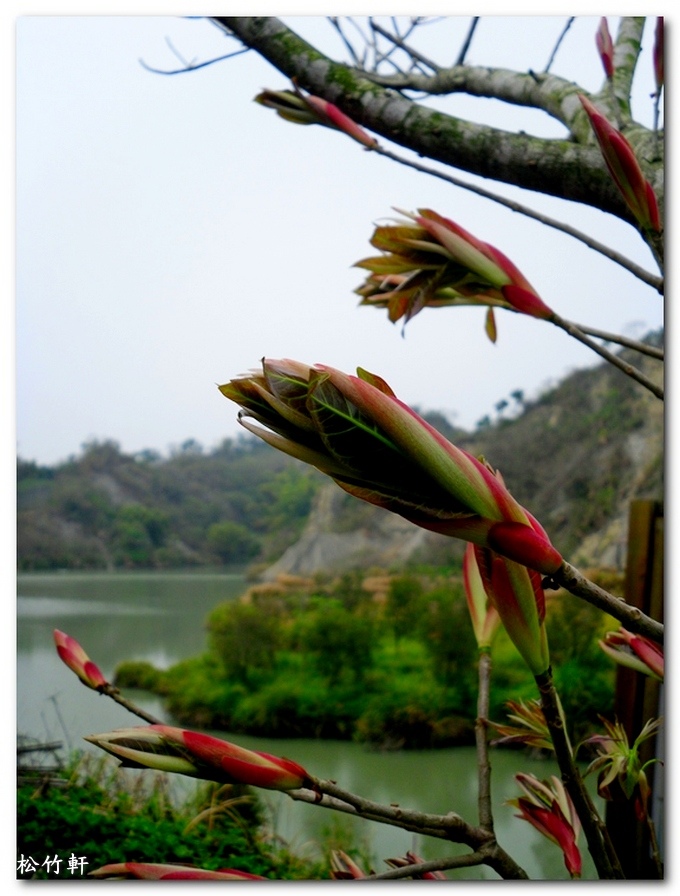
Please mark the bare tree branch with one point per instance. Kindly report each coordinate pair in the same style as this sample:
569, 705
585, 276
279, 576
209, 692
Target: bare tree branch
631, 618
401, 43
468, 41
616, 360
193, 66
642, 347
599, 843
563, 34
560, 168
645, 276
468, 860
481, 739
444, 827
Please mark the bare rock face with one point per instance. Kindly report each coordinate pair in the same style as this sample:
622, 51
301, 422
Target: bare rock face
343, 533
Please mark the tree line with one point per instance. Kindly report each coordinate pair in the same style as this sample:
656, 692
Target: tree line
108, 509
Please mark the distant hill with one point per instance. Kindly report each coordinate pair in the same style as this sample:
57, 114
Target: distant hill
107, 510
575, 457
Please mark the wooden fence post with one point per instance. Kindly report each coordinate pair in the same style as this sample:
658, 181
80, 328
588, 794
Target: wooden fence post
639, 697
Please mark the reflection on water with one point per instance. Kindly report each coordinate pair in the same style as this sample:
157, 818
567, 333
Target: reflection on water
51, 607
160, 618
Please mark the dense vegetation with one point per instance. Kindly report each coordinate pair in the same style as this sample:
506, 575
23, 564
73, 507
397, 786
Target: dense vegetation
100, 815
384, 660
106, 509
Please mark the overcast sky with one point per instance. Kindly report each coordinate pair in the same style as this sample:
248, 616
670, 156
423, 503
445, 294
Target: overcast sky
170, 232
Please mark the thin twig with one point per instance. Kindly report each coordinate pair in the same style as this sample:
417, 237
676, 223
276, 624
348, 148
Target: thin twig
110, 691
468, 40
414, 23
646, 276
631, 618
566, 28
414, 54
335, 22
616, 360
481, 723
465, 861
192, 67
642, 347
381, 56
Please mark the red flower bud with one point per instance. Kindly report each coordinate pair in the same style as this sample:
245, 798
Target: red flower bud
605, 47
624, 168
159, 871
658, 54
78, 661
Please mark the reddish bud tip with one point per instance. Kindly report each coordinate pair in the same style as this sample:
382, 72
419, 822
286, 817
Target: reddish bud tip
605, 47
73, 655
524, 545
526, 302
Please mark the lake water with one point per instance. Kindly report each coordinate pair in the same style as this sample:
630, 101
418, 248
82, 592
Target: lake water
160, 617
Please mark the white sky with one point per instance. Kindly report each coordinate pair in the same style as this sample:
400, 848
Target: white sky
170, 232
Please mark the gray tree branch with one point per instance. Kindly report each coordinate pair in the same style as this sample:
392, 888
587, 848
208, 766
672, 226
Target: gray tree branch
444, 827
561, 168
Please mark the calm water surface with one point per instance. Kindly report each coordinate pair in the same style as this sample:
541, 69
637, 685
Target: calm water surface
160, 617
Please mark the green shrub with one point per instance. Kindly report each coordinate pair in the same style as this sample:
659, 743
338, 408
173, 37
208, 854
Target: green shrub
446, 630
414, 714
140, 674
232, 542
404, 606
106, 816
297, 708
243, 638
340, 641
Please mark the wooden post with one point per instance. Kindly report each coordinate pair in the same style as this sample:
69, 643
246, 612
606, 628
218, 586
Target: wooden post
638, 697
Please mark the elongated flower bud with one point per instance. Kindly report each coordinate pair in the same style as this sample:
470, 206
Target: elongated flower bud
376, 448
299, 108
78, 661
483, 614
518, 597
634, 651
343, 867
605, 48
525, 544
288, 105
658, 54
159, 871
333, 117
178, 750
624, 168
